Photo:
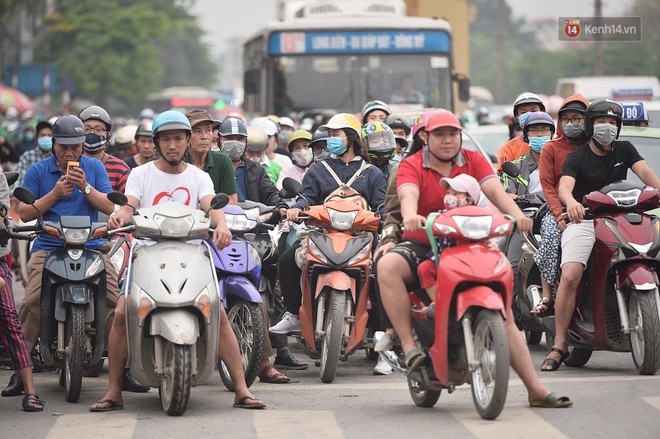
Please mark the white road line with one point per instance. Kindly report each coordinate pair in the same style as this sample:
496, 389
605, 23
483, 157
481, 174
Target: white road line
515, 422
285, 424
98, 425
654, 401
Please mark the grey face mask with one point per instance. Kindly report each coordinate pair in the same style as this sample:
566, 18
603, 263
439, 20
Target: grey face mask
605, 133
234, 149
572, 130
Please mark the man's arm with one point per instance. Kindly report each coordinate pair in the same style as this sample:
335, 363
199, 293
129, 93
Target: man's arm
409, 199
574, 210
646, 174
123, 215
221, 234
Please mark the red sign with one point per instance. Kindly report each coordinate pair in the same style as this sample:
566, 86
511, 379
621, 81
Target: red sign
572, 28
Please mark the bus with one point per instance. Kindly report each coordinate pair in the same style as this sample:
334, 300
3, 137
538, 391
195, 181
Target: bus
338, 55
181, 99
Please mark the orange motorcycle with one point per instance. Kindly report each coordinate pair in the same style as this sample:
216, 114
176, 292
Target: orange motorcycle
336, 276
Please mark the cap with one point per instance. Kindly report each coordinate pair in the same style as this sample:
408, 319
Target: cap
463, 183
197, 116
257, 139
268, 126
287, 122
575, 106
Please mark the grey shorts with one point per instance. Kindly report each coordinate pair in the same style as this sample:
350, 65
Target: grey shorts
577, 241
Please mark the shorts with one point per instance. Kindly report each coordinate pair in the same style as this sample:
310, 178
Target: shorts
577, 241
428, 273
413, 252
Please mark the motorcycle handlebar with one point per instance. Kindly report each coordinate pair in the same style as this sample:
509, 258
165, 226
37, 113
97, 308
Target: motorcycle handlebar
128, 228
30, 228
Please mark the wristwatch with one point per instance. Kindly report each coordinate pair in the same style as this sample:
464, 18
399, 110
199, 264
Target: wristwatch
88, 189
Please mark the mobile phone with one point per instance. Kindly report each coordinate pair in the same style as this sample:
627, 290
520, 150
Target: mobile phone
70, 166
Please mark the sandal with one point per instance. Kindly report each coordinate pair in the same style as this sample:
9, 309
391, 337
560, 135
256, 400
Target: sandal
273, 378
106, 405
248, 402
32, 403
554, 364
545, 308
414, 359
552, 401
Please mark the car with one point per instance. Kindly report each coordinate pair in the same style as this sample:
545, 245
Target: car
469, 142
647, 142
490, 137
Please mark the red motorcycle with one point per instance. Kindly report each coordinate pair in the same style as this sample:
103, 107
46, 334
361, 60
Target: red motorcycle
463, 331
617, 305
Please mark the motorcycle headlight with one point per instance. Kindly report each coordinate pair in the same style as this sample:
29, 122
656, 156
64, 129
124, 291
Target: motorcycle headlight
363, 253
502, 229
342, 220
117, 259
75, 236
314, 250
174, 226
239, 223
474, 227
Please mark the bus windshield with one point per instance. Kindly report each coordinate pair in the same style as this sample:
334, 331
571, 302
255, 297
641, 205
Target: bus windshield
343, 82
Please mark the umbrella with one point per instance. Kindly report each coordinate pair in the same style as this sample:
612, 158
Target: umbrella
12, 97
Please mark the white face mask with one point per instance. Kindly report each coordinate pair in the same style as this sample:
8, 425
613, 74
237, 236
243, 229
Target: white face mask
605, 133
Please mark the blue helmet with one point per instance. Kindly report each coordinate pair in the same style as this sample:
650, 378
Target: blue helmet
169, 121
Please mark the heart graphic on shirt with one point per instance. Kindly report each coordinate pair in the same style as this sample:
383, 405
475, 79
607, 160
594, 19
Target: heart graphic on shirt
180, 194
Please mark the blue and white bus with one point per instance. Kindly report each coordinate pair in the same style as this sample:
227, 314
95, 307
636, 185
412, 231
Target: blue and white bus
339, 55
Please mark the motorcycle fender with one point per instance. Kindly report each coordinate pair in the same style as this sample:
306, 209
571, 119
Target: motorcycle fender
77, 294
176, 325
337, 280
239, 286
480, 296
636, 276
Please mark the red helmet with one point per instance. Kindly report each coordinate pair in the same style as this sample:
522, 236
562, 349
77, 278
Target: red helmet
443, 118
420, 122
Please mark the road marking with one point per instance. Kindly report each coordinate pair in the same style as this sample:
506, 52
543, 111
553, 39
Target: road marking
654, 401
285, 424
103, 425
515, 422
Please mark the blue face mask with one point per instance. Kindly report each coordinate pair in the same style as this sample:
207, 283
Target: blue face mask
536, 143
45, 143
396, 160
29, 137
336, 145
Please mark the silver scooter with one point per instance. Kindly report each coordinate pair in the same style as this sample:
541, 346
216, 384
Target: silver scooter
172, 300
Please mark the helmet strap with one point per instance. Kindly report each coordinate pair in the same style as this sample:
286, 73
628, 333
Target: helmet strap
601, 148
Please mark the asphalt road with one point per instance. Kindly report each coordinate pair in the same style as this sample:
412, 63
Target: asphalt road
611, 401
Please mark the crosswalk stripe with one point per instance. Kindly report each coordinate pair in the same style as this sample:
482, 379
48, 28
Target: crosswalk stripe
285, 424
99, 425
515, 421
654, 401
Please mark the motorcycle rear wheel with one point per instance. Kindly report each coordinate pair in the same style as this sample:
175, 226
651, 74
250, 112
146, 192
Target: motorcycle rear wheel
533, 337
176, 381
420, 396
644, 318
490, 381
74, 353
331, 343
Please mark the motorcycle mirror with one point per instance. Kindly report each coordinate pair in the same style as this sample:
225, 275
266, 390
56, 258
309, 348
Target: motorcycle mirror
11, 176
219, 201
118, 198
24, 195
510, 169
285, 194
292, 186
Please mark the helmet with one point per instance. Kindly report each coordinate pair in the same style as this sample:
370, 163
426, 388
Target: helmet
297, 135
169, 121
98, 113
379, 140
287, 122
374, 105
420, 122
399, 121
527, 98
125, 134
147, 113
538, 118
232, 126
267, 125
343, 121
575, 106
236, 115
69, 130
318, 136
443, 118
257, 139
144, 129
601, 108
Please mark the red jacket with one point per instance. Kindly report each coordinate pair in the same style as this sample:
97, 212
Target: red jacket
553, 155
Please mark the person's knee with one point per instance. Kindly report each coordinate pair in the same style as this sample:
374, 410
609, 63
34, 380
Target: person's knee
571, 275
119, 320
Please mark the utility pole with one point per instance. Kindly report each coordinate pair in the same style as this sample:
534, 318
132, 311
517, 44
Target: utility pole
599, 69
501, 53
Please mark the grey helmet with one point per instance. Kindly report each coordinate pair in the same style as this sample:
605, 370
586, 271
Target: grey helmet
69, 130
98, 113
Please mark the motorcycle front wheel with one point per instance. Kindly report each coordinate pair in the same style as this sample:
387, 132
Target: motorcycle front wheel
644, 319
74, 353
331, 343
491, 349
422, 397
176, 381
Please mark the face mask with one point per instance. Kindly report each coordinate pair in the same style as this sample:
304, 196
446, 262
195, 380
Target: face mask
605, 133
45, 143
94, 143
303, 157
284, 136
320, 155
572, 130
234, 149
29, 137
452, 201
536, 143
336, 145
522, 118
396, 160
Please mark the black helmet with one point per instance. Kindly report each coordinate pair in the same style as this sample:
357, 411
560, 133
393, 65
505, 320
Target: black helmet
399, 121
144, 129
602, 108
233, 127
98, 113
69, 130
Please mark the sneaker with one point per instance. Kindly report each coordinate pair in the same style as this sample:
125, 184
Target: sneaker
382, 367
289, 323
384, 343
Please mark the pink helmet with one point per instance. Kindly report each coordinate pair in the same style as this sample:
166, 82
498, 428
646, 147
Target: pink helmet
420, 122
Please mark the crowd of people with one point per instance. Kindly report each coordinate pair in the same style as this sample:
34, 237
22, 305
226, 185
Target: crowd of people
404, 169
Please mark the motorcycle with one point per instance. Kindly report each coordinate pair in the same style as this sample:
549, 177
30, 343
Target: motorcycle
172, 300
617, 303
336, 277
73, 295
463, 332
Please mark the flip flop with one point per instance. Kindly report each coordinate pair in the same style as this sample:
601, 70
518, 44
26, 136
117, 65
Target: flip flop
31, 403
552, 401
554, 364
278, 378
248, 402
414, 359
111, 406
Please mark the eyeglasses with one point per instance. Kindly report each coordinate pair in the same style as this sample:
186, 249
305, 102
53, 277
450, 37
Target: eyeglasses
574, 119
539, 130
97, 130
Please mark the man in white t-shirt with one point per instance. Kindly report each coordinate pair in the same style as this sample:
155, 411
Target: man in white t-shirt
166, 179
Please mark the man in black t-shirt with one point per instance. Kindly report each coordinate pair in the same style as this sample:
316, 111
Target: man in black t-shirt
590, 167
